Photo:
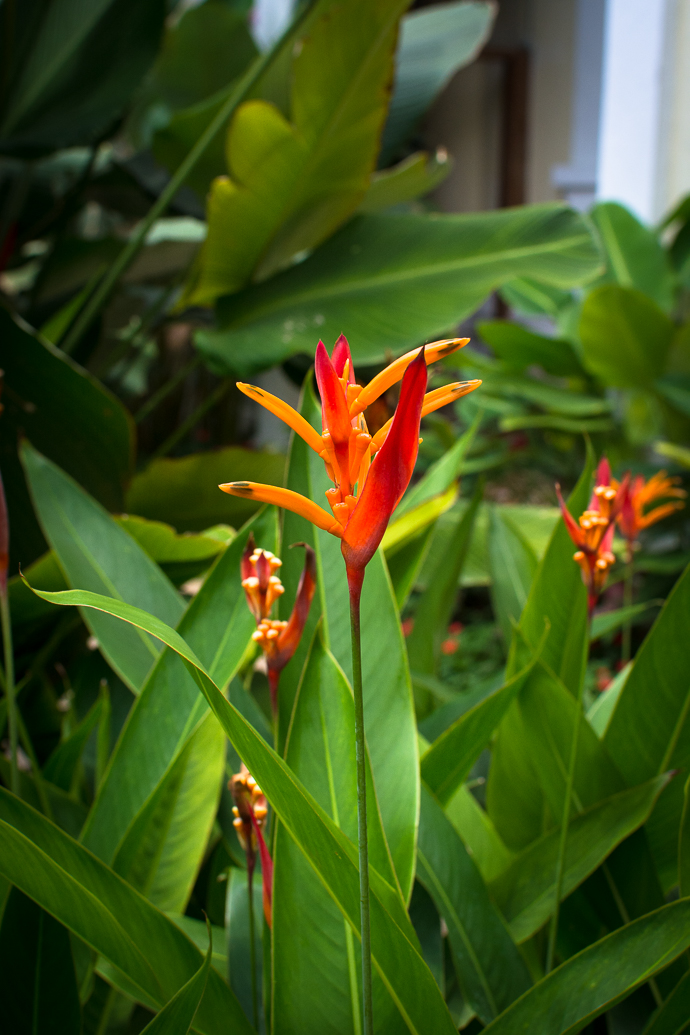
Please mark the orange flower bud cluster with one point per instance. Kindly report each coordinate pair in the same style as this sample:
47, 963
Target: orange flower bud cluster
249, 799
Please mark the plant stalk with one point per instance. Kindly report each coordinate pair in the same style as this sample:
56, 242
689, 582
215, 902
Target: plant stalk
9, 687
560, 863
355, 579
626, 649
110, 279
252, 947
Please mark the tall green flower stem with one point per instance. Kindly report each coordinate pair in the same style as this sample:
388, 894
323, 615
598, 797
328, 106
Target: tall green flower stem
355, 579
569, 784
110, 279
626, 649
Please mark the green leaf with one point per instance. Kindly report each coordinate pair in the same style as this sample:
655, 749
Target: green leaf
177, 1016
73, 69
555, 613
436, 604
219, 625
62, 766
184, 492
604, 973
646, 738
448, 761
163, 849
684, 844
413, 523
609, 621
38, 985
406, 564
635, 257
201, 53
535, 298
599, 714
440, 476
388, 706
490, 969
478, 833
679, 454
434, 45
411, 276
412, 178
512, 563
69, 416
625, 337
165, 546
672, 1016
96, 554
238, 940
331, 854
66, 880
198, 932
519, 348
293, 183
525, 892
320, 751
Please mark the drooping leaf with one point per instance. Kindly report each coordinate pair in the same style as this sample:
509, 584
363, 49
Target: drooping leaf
649, 731
634, 255
36, 971
332, 855
178, 1014
321, 752
491, 971
596, 979
151, 953
96, 554
219, 625
434, 44
72, 68
292, 183
525, 891
184, 492
410, 276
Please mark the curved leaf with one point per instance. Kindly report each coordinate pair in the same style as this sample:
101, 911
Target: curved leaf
596, 979
409, 276
154, 956
333, 857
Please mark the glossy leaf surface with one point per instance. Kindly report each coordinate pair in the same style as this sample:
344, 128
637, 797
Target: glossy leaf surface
333, 857
410, 276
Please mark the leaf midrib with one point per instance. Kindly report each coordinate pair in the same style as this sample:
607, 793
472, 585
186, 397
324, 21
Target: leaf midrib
370, 283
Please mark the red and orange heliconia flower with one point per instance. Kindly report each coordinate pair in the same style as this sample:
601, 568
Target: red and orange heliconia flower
279, 640
250, 812
369, 473
641, 506
593, 532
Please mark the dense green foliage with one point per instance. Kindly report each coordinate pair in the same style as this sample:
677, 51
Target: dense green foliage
178, 211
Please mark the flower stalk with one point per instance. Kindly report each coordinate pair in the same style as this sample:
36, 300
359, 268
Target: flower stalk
355, 579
